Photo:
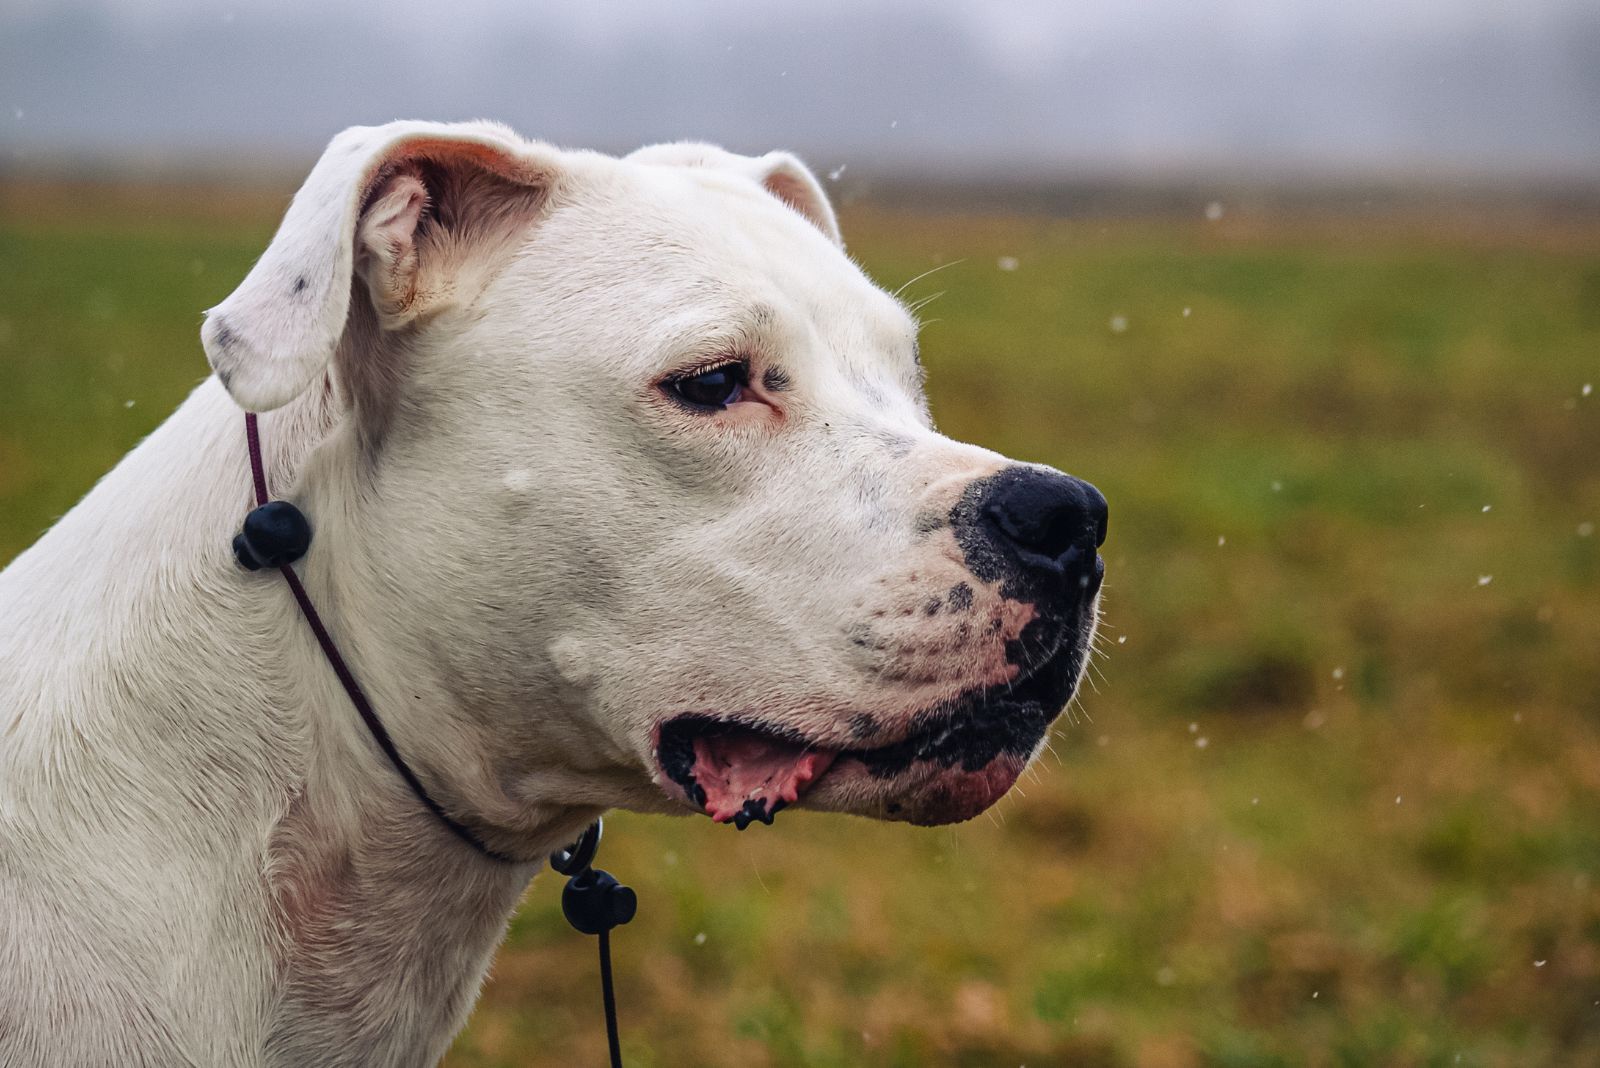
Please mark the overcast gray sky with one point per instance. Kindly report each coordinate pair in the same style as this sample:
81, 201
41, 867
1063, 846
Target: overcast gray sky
1162, 87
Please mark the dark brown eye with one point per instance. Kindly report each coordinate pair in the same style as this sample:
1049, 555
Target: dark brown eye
715, 387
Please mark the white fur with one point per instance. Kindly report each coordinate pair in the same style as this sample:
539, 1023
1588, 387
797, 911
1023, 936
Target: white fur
527, 554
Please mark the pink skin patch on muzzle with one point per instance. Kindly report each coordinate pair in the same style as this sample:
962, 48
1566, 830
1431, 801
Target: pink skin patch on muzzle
748, 776
955, 795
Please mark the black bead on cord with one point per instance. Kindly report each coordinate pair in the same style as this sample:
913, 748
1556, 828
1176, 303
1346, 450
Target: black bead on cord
275, 534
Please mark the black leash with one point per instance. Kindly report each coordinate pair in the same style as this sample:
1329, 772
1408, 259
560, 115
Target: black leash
276, 534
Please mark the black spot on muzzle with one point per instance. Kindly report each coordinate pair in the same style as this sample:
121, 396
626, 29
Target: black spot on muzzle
986, 723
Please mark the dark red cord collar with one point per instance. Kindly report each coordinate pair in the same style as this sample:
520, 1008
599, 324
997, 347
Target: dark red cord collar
263, 554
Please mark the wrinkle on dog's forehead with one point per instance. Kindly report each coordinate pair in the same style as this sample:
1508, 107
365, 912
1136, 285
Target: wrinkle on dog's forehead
755, 271
711, 317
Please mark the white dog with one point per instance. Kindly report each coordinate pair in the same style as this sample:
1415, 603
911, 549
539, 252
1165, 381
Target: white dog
625, 494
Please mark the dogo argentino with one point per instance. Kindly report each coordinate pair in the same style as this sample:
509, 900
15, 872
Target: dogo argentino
625, 493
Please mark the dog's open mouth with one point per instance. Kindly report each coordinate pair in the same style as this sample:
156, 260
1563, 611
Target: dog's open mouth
954, 761
739, 773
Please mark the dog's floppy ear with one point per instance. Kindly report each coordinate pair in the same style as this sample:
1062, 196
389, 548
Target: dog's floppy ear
779, 173
379, 204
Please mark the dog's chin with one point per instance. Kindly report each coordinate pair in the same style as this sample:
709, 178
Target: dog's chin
925, 794
942, 765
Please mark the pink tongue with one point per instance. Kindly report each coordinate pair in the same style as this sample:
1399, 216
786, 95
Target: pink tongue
739, 767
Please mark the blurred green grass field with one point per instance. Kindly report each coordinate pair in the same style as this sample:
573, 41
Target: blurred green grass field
1334, 795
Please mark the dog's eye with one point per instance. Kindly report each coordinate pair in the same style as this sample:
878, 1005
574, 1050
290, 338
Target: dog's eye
715, 387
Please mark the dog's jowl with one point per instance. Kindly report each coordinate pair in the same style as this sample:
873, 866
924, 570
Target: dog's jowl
625, 494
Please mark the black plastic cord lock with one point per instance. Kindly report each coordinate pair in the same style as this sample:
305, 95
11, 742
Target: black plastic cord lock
594, 901
275, 534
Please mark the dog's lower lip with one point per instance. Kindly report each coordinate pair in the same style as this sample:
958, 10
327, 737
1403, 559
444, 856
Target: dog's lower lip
741, 771
732, 794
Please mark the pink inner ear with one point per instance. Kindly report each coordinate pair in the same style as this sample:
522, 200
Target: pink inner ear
791, 190
801, 192
387, 242
395, 212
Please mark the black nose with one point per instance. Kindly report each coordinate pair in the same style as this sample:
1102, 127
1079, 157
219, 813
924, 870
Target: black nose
1052, 522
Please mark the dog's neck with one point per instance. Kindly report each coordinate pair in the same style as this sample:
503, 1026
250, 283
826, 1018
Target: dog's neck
388, 921
319, 912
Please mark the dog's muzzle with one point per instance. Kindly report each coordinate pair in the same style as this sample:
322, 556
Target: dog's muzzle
1033, 532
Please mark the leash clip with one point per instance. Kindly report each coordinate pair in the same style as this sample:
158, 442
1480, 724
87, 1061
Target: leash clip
579, 855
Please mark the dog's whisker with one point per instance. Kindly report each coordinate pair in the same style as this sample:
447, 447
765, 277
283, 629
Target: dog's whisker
930, 271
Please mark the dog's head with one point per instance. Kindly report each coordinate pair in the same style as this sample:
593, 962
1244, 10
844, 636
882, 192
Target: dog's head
634, 465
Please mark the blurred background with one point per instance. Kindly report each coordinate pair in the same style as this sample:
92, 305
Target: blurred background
1311, 291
